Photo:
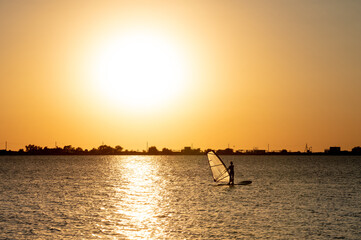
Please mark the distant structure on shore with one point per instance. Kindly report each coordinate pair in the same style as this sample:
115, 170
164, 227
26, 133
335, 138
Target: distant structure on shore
118, 150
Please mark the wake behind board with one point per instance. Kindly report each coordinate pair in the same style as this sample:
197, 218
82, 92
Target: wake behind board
240, 183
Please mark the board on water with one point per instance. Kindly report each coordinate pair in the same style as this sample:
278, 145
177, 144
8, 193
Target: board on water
240, 183
219, 170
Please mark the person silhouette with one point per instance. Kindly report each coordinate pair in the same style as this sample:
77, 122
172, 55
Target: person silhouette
231, 174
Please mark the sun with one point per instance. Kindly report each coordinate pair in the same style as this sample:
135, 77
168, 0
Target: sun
140, 70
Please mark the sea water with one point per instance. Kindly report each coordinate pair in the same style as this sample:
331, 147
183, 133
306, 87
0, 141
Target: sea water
174, 197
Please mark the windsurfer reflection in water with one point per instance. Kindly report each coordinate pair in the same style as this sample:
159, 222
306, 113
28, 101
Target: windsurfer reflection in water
231, 174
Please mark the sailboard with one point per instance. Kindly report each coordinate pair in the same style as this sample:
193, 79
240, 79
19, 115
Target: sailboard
219, 170
247, 182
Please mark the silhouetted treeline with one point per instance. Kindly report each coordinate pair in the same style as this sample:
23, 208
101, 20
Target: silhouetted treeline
118, 150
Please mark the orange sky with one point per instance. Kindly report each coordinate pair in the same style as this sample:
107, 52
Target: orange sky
239, 73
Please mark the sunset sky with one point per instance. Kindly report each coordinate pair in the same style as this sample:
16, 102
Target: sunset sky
210, 74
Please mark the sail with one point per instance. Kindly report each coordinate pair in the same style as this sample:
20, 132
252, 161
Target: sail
219, 170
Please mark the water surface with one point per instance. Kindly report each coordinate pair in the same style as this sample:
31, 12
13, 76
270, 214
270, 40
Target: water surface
155, 197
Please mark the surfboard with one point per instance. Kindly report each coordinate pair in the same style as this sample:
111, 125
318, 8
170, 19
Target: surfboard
240, 183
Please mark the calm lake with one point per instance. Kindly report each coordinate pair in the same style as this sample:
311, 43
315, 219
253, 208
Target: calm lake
174, 197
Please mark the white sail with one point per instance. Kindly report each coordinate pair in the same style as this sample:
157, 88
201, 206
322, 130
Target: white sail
219, 170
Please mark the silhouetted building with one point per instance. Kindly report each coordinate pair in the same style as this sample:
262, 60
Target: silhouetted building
333, 150
190, 151
227, 151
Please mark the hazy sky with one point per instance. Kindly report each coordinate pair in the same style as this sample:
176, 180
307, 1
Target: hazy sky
175, 73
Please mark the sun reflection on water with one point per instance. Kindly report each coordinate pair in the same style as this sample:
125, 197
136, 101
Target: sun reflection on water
141, 197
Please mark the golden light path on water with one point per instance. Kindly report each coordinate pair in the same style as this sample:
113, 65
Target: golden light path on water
141, 197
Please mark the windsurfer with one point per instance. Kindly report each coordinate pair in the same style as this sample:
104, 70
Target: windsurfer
231, 174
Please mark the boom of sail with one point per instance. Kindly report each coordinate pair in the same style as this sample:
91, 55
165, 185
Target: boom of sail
219, 170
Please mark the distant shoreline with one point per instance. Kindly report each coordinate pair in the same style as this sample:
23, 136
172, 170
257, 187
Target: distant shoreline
14, 153
118, 150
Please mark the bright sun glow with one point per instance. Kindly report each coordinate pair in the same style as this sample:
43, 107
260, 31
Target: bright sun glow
140, 70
